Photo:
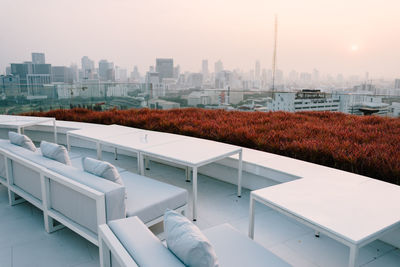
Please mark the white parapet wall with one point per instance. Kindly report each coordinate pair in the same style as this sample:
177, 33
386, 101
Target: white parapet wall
260, 169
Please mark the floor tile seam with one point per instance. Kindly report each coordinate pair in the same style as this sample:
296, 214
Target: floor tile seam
295, 252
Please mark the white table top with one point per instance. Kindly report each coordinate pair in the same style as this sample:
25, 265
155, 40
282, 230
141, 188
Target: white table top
22, 121
140, 139
101, 132
192, 151
354, 211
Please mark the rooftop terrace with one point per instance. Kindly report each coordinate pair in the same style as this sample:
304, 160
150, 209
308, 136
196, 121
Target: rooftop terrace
24, 242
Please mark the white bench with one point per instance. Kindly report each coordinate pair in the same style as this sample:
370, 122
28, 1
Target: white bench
80, 200
128, 242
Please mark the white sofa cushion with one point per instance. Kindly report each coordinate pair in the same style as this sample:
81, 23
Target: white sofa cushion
148, 198
187, 242
56, 152
21, 140
234, 249
102, 168
143, 246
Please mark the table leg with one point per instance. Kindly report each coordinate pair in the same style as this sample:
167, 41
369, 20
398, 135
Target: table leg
55, 131
19, 130
187, 169
353, 256
68, 144
240, 164
146, 163
115, 153
141, 164
98, 145
251, 217
194, 193
138, 162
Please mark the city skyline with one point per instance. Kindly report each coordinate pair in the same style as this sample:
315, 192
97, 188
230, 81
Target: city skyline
311, 34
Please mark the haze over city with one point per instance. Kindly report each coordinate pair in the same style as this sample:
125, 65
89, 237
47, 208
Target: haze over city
349, 37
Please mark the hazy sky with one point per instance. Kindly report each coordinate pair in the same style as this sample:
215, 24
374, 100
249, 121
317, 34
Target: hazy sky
312, 33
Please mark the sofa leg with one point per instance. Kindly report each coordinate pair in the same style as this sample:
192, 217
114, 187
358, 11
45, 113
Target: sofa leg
14, 199
52, 225
188, 174
104, 254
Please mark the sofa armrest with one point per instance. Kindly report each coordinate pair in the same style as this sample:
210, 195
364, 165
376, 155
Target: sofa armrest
110, 245
132, 236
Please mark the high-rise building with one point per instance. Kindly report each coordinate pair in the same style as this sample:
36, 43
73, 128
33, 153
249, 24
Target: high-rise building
38, 58
195, 80
74, 72
8, 70
258, 70
397, 84
177, 71
61, 74
106, 70
121, 75
41, 75
21, 70
204, 68
135, 75
9, 85
165, 68
87, 68
31, 76
218, 67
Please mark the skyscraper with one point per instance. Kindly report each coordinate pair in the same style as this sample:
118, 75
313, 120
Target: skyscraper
258, 70
32, 76
38, 58
397, 84
204, 68
218, 67
106, 70
165, 68
60, 74
177, 71
135, 75
87, 67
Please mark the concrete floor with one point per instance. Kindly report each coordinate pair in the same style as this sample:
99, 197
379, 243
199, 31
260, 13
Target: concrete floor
24, 242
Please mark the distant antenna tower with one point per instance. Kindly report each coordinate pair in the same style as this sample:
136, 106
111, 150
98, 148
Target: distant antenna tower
274, 55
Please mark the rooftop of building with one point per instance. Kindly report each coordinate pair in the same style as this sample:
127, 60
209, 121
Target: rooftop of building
24, 242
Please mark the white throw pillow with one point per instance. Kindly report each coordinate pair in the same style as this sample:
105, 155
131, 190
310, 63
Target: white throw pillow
56, 152
21, 140
102, 169
187, 242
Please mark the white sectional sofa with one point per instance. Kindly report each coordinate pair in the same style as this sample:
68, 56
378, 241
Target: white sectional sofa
128, 242
81, 200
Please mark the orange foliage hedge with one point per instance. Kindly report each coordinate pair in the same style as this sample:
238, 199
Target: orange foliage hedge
367, 145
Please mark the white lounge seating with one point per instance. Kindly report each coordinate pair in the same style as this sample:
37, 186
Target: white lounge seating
128, 242
78, 199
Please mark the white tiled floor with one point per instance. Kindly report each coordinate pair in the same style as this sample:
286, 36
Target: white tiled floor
24, 242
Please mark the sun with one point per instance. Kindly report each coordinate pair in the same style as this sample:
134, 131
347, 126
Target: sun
354, 47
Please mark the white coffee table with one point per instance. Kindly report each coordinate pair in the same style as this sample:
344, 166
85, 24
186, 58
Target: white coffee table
136, 141
182, 150
194, 153
21, 122
354, 212
97, 134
